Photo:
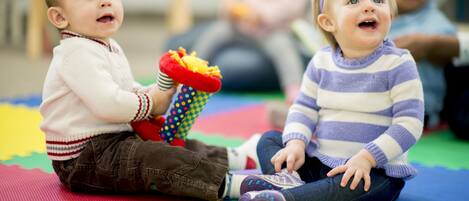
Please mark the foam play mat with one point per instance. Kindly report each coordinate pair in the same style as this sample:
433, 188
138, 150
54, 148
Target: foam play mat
228, 119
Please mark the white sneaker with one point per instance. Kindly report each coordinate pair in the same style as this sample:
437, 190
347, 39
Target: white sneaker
278, 181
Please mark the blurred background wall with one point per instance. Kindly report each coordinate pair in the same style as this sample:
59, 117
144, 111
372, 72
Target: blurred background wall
27, 39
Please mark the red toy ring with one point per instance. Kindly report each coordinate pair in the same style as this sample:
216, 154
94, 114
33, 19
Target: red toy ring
182, 75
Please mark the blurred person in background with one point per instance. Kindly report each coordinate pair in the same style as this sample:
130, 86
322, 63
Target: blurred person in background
244, 41
424, 17
265, 24
452, 53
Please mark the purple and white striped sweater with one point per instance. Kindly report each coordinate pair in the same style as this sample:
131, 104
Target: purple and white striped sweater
346, 105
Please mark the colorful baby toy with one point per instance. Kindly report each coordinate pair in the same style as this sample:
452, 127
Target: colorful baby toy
199, 81
239, 10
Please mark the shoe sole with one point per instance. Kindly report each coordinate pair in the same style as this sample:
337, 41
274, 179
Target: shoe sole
253, 183
247, 197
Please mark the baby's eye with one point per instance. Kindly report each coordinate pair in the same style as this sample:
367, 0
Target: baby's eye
353, 2
378, 1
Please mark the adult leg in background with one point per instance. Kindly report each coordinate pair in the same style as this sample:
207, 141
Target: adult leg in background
238, 60
457, 100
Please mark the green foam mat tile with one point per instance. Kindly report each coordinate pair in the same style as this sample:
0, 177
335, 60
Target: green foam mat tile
35, 160
441, 149
217, 140
266, 96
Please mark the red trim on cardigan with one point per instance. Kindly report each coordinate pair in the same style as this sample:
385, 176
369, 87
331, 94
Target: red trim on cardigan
67, 143
65, 154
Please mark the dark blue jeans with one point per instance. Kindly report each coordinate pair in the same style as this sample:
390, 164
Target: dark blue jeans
320, 187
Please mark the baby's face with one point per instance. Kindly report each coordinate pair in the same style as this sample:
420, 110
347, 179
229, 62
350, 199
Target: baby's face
361, 23
93, 18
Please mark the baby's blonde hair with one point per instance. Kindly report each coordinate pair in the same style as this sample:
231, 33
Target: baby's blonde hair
51, 3
327, 35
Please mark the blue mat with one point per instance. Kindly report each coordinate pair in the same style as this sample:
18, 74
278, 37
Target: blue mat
29, 101
225, 103
437, 184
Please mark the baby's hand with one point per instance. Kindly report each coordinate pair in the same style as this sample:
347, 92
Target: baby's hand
161, 100
293, 154
359, 166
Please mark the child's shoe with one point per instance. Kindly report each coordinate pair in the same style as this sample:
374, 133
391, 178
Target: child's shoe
244, 156
278, 181
266, 195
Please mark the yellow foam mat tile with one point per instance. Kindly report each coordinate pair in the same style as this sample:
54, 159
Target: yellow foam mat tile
19, 131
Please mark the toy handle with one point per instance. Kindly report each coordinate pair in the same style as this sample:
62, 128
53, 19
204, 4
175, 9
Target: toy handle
164, 81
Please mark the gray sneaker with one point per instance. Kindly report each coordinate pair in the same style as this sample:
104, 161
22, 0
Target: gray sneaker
266, 195
278, 181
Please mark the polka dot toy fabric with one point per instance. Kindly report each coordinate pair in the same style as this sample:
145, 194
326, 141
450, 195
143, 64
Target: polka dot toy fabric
177, 114
199, 81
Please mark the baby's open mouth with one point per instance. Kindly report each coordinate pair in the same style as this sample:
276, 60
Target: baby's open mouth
368, 24
105, 19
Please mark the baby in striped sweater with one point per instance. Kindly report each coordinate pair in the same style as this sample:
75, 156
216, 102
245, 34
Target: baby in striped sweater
359, 111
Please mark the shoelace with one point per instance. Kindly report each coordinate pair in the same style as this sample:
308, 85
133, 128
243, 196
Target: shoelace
285, 178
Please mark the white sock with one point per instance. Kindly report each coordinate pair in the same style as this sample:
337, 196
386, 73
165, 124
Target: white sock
237, 156
233, 185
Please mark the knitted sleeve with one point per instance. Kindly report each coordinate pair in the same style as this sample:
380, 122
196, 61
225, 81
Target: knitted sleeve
407, 114
87, 72
303, 114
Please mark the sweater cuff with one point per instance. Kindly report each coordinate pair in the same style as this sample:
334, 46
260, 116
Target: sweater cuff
295, 136
145, 105
377, 153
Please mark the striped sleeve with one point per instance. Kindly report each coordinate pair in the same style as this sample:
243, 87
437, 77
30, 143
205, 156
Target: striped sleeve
303, 114
407, 115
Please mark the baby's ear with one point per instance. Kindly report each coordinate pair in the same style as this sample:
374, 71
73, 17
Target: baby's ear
57, 18
326, 23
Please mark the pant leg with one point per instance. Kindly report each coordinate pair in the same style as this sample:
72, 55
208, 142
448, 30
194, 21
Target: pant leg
319, 186
434, 88
214, 38
382, 188
458, 116
269, 144
245, 67
214, 153
457, 100
120, 163
186, 39
281, 49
